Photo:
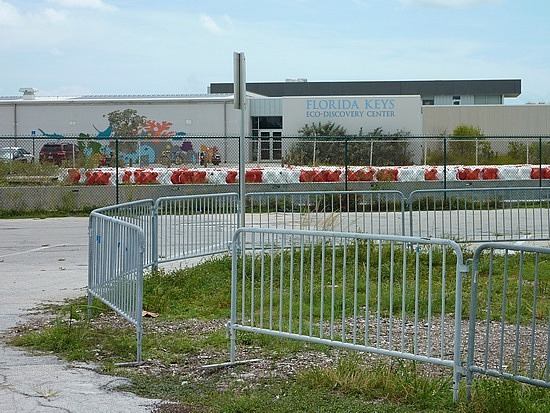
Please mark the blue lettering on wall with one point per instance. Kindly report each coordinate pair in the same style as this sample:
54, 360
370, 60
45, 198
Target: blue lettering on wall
331, 104
350, 108
381, 104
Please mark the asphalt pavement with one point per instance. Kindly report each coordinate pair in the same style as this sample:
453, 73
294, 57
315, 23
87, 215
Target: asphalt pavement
45, 261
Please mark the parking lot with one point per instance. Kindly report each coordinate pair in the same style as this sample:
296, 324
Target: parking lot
45, 261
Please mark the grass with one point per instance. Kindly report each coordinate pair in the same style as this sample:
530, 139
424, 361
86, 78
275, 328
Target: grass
11, 169
42, 214
175, 351
293, 274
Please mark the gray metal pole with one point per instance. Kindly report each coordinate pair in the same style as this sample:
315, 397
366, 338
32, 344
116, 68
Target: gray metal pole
242, 172
239, 93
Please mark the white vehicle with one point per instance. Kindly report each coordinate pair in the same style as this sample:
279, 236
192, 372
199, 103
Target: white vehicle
15, 154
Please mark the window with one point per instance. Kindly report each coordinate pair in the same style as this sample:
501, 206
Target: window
266, 122
428, 100
487, 100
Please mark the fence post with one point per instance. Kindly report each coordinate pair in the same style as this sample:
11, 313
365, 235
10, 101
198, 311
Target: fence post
236, 249
458, 370
472, 323
445, 163
116, 169
139, 302
155, 237
91, 256
346, 161
540, 161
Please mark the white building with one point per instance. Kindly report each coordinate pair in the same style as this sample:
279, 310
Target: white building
278, 110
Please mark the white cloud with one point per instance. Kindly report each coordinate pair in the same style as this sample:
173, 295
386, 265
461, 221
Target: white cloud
449, 3
211, 26
54, 16
9, 15
56, 52
85, 4
23, 27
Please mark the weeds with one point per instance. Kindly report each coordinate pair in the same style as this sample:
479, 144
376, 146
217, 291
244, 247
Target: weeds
46, 393
193, 305
395, 382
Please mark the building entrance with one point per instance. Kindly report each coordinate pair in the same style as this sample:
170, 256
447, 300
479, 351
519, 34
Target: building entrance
267, 146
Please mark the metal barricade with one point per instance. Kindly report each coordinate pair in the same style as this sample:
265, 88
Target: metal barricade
335, 268
194, 226
372, 293
141, 214
115, 268
481, 214
509, 331
368, 212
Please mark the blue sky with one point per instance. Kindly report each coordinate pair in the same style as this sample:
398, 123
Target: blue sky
73, 47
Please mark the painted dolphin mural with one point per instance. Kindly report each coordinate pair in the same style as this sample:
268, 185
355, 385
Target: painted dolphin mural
105, 134
51, 135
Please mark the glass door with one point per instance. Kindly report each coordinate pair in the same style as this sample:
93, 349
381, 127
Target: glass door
267, 146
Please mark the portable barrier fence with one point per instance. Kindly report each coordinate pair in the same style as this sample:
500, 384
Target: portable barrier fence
372, 293
194, 226
481, 214
509, 332
374, 212
115, 268
378, 293
140, 214
127, 238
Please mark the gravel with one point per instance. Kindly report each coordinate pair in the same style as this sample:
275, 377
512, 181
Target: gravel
271, 365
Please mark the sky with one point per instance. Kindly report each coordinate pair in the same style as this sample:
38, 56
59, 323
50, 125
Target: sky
137, 47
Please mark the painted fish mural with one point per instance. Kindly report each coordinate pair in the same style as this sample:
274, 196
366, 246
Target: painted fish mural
145, 153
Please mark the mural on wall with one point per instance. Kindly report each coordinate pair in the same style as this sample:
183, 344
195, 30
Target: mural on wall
51, 135
105, 134
156, 129
148, 146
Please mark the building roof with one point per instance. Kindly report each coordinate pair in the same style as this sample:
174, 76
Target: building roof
115, 98
505, 87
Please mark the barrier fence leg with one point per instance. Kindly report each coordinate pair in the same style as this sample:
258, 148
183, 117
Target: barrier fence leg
233, 338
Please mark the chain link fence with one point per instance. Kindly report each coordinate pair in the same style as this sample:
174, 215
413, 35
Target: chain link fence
82, 173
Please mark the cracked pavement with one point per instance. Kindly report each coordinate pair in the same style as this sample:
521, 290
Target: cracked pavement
45, 261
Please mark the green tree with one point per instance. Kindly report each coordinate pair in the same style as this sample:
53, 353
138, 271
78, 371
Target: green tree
517, 152
469, 146
466, 146
520, 151
323, 149
329, 147
384, 149
126, 123
537, 149
325, 129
